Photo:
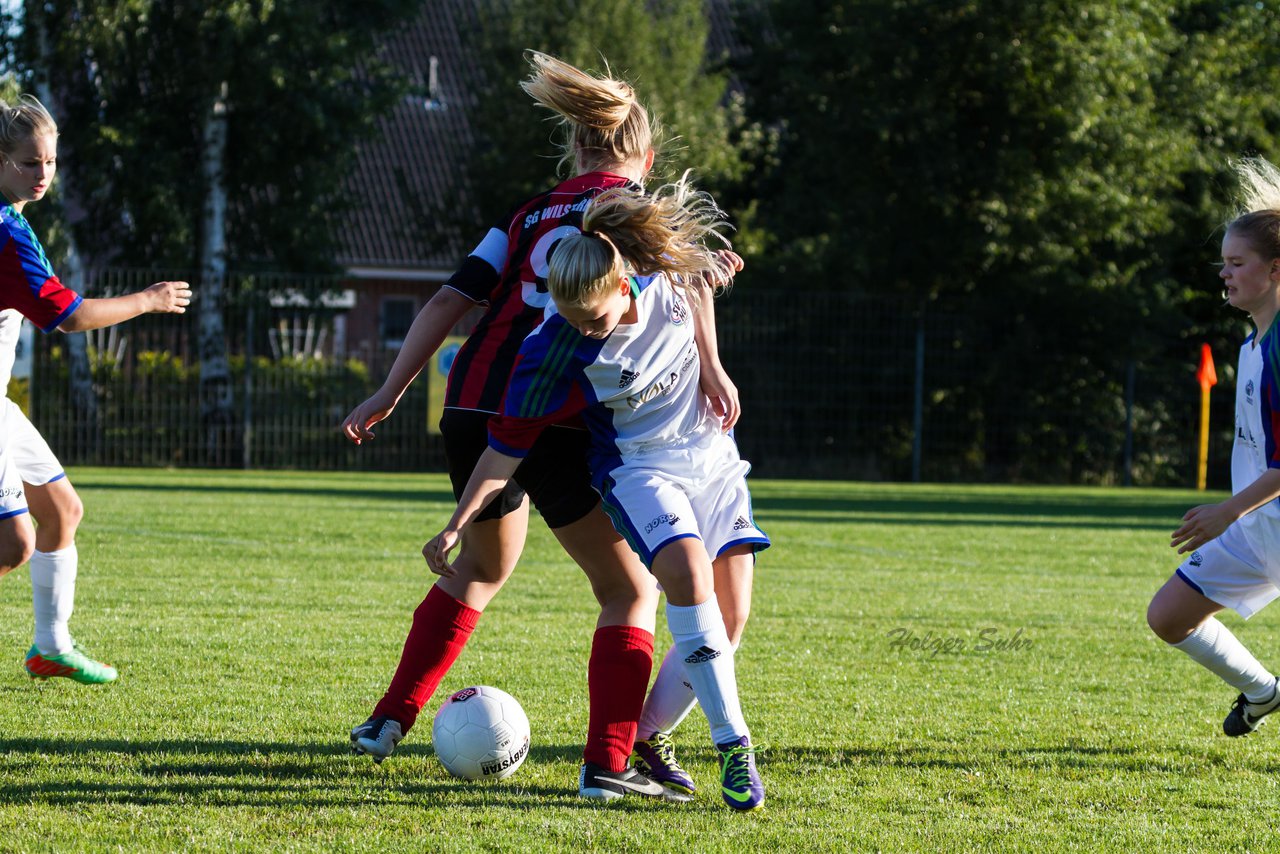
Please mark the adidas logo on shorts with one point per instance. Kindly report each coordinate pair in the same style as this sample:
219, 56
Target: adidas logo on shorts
741, 523
627, 378
702, 655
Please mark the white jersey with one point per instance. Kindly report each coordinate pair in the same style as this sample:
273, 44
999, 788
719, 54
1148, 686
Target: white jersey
662, 465
637, 389
1257, 428
10, 329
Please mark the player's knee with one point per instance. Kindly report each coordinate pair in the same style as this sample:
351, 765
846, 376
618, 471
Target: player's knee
70, 512
1164, 624
735, 621
15, 551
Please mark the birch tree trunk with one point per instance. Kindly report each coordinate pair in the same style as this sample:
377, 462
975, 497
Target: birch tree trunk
84, 400
215, 370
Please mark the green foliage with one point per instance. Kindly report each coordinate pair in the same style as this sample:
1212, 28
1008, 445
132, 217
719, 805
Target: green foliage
660, 48
1051, 171
134, 80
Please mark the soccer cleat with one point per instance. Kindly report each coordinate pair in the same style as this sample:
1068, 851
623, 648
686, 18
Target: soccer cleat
1245, 717
377, 737
740, 783
598, 784
655, 757
73, 665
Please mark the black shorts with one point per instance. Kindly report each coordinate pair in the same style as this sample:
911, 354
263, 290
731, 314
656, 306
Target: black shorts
554, 473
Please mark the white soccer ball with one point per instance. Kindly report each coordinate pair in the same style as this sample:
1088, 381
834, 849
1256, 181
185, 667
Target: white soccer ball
481, 733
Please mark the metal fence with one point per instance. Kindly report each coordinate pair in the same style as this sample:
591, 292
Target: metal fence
833, 386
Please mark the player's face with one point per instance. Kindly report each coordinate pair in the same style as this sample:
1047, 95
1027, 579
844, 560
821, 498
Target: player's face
1250, 281
26, 173
599, 319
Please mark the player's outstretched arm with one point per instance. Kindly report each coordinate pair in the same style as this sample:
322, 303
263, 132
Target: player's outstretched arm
1207, 521
160, 298
441, 313
492, 472
713, 379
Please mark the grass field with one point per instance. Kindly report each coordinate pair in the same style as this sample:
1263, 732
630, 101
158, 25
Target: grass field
932, 667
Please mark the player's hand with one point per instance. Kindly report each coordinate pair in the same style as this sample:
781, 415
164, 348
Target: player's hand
168, 298
358, 425
436, 551
1199, 526
722, 393
728, 264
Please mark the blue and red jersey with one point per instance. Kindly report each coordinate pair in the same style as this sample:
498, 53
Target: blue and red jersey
508, 273
637, 390
27, 281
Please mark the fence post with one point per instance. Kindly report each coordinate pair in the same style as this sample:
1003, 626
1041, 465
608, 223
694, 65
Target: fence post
1130, 381
917, 415
247, 416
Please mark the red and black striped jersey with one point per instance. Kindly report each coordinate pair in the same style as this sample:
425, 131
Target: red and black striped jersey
507, 273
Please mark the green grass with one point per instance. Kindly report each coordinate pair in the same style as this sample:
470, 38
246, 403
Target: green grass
256, 617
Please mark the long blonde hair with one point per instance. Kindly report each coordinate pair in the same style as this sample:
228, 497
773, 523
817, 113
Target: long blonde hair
23, 120
606, 124
662, 232
1257, 217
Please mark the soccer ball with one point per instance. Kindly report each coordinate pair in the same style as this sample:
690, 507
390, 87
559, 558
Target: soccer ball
481, 733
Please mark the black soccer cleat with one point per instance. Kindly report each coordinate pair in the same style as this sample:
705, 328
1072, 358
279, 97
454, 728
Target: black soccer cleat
598, 784
1245, 717
376, 737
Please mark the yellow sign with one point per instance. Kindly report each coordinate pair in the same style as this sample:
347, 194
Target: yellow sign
438, 378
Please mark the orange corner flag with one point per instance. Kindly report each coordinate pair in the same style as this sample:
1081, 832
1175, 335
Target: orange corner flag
1205, 374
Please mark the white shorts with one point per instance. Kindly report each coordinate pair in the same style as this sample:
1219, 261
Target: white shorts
25, 458
1227, 571
666, 495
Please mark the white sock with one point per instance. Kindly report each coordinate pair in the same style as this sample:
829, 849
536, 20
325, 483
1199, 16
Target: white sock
53, 596
703, 644
1213, 646
670, 699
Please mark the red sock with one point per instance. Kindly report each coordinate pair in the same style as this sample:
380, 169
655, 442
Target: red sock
441, 626
617, 679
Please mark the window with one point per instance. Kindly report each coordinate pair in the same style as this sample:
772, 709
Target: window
397, 317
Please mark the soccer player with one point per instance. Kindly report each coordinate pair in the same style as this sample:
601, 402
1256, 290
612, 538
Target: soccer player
1235, 545
32, 481
621, 352
610, 144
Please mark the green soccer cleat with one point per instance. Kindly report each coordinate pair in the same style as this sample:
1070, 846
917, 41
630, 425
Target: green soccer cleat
740, 783
73, 665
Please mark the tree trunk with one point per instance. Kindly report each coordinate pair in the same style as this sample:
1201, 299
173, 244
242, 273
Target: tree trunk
84, 400
215, 370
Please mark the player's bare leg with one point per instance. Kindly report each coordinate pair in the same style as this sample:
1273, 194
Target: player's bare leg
621, 657
697, 627
1184, 618
671, 698
17, 542
57, 511
442, 624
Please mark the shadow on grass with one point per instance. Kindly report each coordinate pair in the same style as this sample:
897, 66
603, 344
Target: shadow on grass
957, 758
269, 774
1134, 510
355, 492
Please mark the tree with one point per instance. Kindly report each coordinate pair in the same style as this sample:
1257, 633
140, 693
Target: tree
661, 48
1047, 172
136, 82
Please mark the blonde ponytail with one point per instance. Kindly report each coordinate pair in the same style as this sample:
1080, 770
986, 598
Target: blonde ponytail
607, 126
663, 232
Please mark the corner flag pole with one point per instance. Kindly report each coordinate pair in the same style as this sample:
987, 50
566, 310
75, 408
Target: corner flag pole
1207, 377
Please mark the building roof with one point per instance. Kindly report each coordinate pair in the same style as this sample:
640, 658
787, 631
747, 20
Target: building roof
411, 172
